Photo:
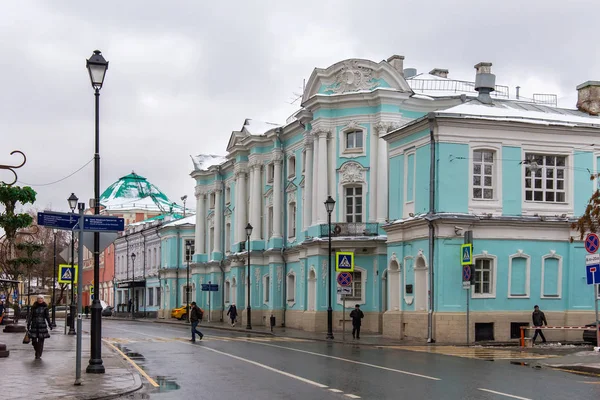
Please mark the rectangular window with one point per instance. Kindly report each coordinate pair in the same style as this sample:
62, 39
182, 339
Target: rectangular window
270, 226
410, 178
267, 288
158, 292
483, 276
189, 250
518, 277
545, 178
291, 167
150, 296
270, 173
354, 140
292, 220
228, 195
354, 204
356, 286
227, 292
483, 174
291, 287
551, 273
212, 200
227, 238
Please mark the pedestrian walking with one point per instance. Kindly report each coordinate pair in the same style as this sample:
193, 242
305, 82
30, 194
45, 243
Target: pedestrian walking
539, 319
356, 315
1, 311
37, 327
195, 318
232, 312
129, 305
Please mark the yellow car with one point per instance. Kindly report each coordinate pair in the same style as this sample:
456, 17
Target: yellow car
181, 312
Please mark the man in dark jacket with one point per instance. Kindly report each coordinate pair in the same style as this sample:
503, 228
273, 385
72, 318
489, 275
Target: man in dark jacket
539, 319
195, 318
356, 315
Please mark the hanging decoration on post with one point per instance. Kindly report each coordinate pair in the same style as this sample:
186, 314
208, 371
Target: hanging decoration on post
12, 168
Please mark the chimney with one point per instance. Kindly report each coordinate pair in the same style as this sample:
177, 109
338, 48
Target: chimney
588, 97
397, 62
442, 73
485, 82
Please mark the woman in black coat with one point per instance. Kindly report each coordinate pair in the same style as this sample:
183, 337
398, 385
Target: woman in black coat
36, 325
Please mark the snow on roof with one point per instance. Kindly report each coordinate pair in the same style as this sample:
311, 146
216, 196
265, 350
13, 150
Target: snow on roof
521, 112
182, 221
203, 162
255, 127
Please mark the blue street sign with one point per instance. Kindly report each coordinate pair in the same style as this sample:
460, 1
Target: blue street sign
593, 274
592, 243
210, 288
101, 223
57, 220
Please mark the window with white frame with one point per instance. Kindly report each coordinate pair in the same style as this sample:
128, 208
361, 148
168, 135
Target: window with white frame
357, 287
227, 238
270, 173
518, 275
551, 276
483, 174
354, 203
158, 292
484, 276
290, 288
545, 178
150, 296
291, 166
227, 292
154, 260
228, 195
354, 140
292, 220
212, 200
270, 222
189, 250
266, 288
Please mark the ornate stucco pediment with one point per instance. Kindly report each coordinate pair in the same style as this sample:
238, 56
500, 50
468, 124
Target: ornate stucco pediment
354, 75
352, 172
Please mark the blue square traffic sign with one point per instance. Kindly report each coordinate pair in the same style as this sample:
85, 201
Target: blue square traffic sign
593, 274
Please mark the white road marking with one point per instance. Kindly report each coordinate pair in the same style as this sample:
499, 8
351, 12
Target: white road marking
352, 396
336, 390
350, 361
504, 394
301, 379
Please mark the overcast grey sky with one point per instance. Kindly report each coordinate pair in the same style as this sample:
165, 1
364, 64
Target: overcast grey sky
184, 74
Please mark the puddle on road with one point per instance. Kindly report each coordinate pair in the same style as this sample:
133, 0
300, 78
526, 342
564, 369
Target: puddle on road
166, 384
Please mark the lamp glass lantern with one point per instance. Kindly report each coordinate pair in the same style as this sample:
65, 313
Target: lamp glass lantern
249, 229
72, 201
97, 67
329, 204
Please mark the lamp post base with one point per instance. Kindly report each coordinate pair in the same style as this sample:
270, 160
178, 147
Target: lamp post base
329, 323
72, 310
249, 318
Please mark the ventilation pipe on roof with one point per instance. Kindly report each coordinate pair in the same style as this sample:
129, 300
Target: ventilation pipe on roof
518, 92
442, 73
485, 81
588, 97
410, 72
397, 62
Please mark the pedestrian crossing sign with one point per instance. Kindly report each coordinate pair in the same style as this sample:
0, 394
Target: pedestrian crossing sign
466, 254
344, 261
66, 273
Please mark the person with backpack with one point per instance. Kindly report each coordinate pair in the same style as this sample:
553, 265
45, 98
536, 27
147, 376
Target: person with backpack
195, 318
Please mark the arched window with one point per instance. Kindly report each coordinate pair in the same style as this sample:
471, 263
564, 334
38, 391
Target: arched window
290, 288
291, 166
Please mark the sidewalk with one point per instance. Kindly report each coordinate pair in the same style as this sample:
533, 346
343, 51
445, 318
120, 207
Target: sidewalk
53, 376
583, 361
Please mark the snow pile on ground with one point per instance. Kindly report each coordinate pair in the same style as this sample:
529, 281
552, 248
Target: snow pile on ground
597, 349
564, 346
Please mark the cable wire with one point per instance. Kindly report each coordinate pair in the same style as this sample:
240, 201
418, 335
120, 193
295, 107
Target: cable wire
60, 180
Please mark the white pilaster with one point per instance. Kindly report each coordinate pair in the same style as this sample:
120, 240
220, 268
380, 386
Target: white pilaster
200, 222
322, 176
373, 181
382, 174
308, 181
218, 220
241, 217
315, 182
277, 193
256, 202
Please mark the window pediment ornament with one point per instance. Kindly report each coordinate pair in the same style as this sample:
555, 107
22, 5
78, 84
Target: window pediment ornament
352, 125
352, 172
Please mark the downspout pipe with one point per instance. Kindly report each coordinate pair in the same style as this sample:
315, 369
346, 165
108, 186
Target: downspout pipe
223, 238
432, 174
178, 262
279, 132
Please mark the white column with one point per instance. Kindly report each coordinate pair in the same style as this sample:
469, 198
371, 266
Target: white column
277, 193
200, 222
322, 185
315, 182
382, 176
373, 178
218, 220
308, 181
240, 207
256, 203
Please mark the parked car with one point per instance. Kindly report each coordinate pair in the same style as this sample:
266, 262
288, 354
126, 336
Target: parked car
61, 311
23, 312
179, 313
107, 311
590, 335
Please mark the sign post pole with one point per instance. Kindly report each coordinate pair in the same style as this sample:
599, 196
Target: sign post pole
468, 263
79, 302
344, 317
592, 264
209, 296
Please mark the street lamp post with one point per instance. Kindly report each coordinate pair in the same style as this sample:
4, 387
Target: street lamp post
96, 66
72, 308
188, 250
133, 286
55, 231
248, 308
184, 198
329, 205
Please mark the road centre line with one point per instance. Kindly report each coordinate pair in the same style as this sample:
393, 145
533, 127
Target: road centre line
504, 394
350, 361
137, 367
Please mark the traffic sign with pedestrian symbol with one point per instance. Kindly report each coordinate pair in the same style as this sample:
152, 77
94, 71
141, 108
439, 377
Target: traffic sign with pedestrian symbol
344, 261
466, 254
66, 273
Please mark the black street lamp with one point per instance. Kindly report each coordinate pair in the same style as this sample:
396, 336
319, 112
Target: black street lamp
133, 286
188, 250
96, 66
248, 308
55, 231
72, 308
329, 205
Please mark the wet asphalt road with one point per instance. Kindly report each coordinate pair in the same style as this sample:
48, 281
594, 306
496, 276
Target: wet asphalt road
228, 365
